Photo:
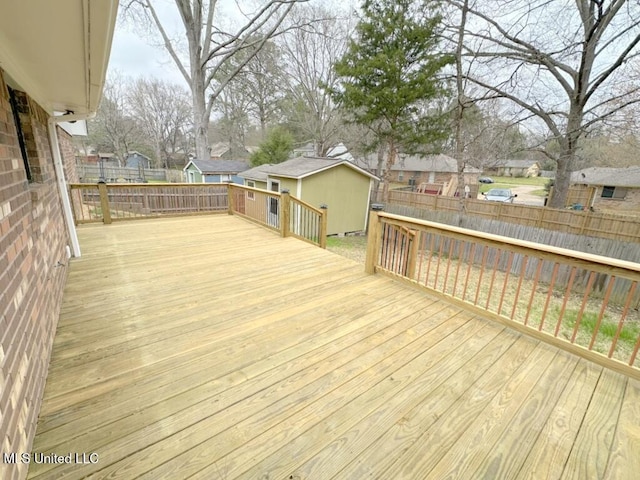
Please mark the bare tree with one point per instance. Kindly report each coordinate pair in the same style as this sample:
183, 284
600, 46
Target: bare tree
162, 111
558, 62
232, 105
114, 129
261, 82
310, 54
210, 48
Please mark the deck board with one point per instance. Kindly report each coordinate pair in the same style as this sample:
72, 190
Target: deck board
208, 347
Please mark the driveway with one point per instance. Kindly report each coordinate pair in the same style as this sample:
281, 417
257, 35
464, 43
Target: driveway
524, 195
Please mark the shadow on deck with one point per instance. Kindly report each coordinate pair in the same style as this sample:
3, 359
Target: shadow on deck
208, 347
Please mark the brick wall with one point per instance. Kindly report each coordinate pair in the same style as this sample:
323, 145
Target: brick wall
32, 243
68, 155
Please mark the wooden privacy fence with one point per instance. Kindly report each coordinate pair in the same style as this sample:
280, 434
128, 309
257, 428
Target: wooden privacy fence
280, 211
586, 223
112, 174
288, 215
587, 304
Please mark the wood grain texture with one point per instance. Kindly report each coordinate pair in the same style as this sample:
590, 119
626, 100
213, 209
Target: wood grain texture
208, 347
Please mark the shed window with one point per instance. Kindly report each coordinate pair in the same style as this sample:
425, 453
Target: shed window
251, 195
614, 192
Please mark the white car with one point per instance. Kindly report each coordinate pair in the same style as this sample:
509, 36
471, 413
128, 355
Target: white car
503, 195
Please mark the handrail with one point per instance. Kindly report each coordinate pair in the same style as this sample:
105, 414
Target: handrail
584, 303
506, 241
274, 210
114, 202
280, 211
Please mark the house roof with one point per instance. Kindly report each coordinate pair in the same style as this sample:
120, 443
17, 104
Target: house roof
58, 51
218, 166
613, 177
513, 163
416, 163
300, 167
136, 153
219, 149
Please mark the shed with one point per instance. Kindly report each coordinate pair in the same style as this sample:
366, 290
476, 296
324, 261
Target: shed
137, 160
214, 171
344, 187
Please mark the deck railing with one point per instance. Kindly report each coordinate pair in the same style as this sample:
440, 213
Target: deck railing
259, 206
280, 211
108, 203
112, 202
586, 304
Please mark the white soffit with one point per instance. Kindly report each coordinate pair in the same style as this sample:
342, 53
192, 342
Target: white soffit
58, 50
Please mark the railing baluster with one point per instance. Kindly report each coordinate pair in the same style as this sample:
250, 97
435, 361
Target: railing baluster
506, 281
585, 298
482, 265
605, 302
623, 317
498, 253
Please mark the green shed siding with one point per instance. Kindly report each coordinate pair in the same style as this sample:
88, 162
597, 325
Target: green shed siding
345, 191
258, 184
290, 184
197, 176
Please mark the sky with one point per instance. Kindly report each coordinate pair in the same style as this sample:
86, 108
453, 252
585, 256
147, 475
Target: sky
132, 54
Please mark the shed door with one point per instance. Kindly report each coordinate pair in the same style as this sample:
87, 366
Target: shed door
274, 186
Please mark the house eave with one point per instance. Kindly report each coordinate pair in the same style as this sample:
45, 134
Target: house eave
58, 51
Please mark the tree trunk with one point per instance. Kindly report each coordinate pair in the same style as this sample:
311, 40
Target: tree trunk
200, 115
566, 160
379, 170
391, 160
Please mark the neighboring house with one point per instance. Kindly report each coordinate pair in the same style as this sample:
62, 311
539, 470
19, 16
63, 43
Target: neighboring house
344, 187
226, 151
137, 160
53, 59
338, 151
607, 188
214, 171
415, 170
308, 150
107, 159
513, 168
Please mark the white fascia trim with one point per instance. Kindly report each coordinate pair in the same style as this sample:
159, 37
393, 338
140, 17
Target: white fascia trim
62, 185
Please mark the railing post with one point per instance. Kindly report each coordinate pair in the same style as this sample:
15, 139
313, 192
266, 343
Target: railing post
373, 242
323, 227
230, 198
412, 257
285, 209
104, 203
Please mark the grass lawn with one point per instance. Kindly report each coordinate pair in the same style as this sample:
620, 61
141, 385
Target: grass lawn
512, 182
353, 246
521, 180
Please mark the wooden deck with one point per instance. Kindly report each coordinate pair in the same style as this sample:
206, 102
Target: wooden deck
208, 347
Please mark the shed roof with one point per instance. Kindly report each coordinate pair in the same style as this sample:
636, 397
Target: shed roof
218, 166
299, 168
614, 177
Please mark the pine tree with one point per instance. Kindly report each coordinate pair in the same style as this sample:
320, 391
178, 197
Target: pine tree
390, 74
276, 148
